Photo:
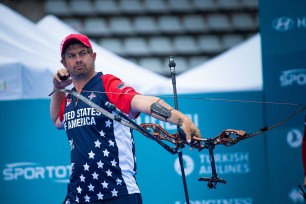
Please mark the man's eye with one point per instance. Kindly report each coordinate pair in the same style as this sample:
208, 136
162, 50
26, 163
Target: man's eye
83, 53
71, 55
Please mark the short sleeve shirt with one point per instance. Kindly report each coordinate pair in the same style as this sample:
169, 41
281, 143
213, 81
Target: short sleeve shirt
103, 162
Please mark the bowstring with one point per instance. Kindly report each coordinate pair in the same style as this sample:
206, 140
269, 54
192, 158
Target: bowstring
210, 99
262, 130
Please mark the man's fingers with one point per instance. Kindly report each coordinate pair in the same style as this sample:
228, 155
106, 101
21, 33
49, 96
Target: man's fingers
61, 79
190, 135
196, 133
62, 75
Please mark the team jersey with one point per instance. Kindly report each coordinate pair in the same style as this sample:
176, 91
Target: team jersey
102, 151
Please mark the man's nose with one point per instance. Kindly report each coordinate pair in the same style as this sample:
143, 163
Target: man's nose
78, 57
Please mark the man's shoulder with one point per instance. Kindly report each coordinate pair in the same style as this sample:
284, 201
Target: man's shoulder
107, 78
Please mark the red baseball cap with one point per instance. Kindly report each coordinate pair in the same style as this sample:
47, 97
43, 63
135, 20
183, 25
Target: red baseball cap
75, 37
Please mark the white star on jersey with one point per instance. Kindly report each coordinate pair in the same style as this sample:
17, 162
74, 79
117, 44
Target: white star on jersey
95, 175
114, 162
102, 134
106, 153
91, 155
79, 189
119, 181
87, 199
108, 123
100, 196
100, 164
91, 187
104, 184
111, 143
91, 96
82, 178
97, 143
109, 173
114, 192
86, 167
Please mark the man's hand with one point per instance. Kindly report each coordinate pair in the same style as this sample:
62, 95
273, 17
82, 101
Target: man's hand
61, 79
190, 130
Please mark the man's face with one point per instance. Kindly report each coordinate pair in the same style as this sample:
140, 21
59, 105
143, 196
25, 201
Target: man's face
78, 61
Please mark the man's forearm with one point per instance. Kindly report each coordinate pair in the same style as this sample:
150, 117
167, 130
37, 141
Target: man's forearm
55, 105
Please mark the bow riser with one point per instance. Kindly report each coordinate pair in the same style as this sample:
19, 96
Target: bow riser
227, 137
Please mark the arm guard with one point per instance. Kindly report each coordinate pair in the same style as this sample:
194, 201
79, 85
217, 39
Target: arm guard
160, 110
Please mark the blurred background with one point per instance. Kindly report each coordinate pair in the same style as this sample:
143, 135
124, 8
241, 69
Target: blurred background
146, 32
240, 64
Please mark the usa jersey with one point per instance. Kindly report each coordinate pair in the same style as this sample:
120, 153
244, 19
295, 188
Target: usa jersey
102, 151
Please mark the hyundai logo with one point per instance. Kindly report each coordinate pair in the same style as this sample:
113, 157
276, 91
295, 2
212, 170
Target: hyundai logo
283, 24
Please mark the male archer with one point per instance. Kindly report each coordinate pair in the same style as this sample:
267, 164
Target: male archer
103, 162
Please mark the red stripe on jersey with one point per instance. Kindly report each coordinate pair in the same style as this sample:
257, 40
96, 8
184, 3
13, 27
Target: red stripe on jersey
118, 93
62, 110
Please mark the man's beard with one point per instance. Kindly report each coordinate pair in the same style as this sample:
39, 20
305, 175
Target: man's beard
81, 73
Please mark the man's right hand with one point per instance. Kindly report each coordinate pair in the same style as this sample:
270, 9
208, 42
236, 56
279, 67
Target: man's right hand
59, 80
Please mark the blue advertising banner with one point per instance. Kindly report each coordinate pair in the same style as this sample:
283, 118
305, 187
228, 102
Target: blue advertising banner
283, 32
35, 163
34, 158
241, 165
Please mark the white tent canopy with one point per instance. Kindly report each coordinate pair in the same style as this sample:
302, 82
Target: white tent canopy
24, 58
238, 69
18, 80
22, 33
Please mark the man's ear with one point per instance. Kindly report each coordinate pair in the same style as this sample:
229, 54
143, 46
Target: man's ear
63, 62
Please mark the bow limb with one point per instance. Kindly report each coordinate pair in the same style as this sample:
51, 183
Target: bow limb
229, 137
161, 134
